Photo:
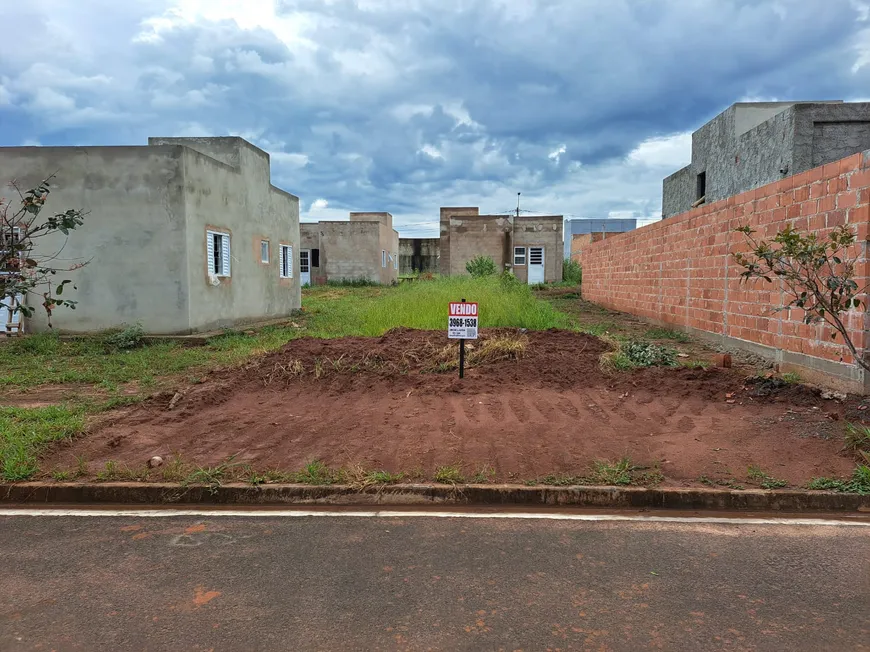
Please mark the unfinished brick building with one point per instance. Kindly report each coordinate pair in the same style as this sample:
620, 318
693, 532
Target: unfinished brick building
529, 245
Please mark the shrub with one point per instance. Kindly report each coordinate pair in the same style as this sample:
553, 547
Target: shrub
646, 354
481, 266
572, 273
128, 337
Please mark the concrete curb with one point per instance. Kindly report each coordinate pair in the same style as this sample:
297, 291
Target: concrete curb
131, 493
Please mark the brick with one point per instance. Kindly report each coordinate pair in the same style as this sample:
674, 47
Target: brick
850, 163
847, 199
801, 194
859, 180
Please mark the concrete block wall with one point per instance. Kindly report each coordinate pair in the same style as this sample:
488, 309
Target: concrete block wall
419, 255
446, 213
680, 271
479, 235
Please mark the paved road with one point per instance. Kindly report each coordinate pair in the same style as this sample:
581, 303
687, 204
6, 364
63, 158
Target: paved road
416, 583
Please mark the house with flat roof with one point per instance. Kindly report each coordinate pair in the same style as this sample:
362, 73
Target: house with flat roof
181, 235
751, 144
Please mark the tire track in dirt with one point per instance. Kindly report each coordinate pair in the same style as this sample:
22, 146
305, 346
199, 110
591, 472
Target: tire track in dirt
519, 409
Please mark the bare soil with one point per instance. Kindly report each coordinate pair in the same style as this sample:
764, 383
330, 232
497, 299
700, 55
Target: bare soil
373, 402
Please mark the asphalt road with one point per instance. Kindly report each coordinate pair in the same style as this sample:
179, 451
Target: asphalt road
422, 583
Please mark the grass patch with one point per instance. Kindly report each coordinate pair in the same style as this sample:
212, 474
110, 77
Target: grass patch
483, 475
622, 472
318, 473
695, 364
449, 475
667, 334
25, 432
857, 440
765, 481
730, 483
859, 483
115, 472
791, 378
634, 354
484, 351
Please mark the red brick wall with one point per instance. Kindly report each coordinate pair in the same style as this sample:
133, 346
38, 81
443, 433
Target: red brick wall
680, 271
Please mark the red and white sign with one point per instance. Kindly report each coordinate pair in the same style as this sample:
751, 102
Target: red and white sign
462, 321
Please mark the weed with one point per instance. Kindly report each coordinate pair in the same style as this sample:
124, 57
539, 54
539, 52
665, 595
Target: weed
859, 483
318, 367
351, 283
60, 475
127, 337
485, 351
449, 474
384, 477
645, 354
667, 334
175, 470
572, 272
764, 480
857, 439
611, 473
81, 467
597, 330
211, 476
791, 378
114, 472
556, 480
483, 475
481, 266
720, 482
317, 473
252, 477
25, 432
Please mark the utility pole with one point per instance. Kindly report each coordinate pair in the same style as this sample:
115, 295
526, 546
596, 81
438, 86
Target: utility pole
518, 204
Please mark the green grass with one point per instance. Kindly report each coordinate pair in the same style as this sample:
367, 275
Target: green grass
765, 481
423, 305
24, 433
859, 483
791, 378
449, 475
666, 334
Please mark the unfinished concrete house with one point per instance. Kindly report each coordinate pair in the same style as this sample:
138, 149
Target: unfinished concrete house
364, 248
531, 246
752, 144
582, 231
182, 235
419, 256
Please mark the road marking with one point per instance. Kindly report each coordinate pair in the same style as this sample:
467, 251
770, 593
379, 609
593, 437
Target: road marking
300, 513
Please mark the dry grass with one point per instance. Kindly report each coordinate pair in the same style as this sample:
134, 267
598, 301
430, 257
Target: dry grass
485, 351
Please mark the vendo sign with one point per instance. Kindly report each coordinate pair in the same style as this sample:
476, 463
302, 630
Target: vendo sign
462, 321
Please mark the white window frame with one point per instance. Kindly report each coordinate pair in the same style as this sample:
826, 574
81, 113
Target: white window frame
384, 258
520, 257
396, 260
285, 261
226, 253
265, 248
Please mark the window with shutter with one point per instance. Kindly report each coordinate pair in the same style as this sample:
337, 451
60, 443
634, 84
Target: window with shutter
519, 255
286, 266
218, 253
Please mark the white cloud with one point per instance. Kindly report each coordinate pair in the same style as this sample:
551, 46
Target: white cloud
293, 160
319, 204
557, 153
664, 152
48, 100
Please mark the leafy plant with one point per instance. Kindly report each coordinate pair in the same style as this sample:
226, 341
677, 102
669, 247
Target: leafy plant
23, 272
128, 337
572, 272
859, 483
481, 266
816, 273
857, 440
646, 354
764, 480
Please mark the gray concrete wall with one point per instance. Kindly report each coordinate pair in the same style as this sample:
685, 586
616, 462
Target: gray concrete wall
351, 250
678, 192
751, 145
479, 235
133, 235
388, 240
446, 213
541, 232
419, 255
242, 202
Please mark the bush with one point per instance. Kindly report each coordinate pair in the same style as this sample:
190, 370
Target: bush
480, 266
572, 273
645, 354
128, 337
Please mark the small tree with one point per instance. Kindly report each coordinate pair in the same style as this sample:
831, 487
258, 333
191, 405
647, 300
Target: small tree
23, 272
480, 266
817, 274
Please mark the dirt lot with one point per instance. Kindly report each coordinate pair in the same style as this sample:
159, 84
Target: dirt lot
382, 404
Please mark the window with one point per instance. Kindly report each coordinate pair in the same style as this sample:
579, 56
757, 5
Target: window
218, 246
701, 187
286, 261
315, 257
396, 260
10, 238
264, 251
519, 255
383, 258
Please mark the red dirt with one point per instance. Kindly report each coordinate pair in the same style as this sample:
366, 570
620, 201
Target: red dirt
552, 411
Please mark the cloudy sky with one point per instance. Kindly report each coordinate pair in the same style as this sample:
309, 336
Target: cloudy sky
408, 105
